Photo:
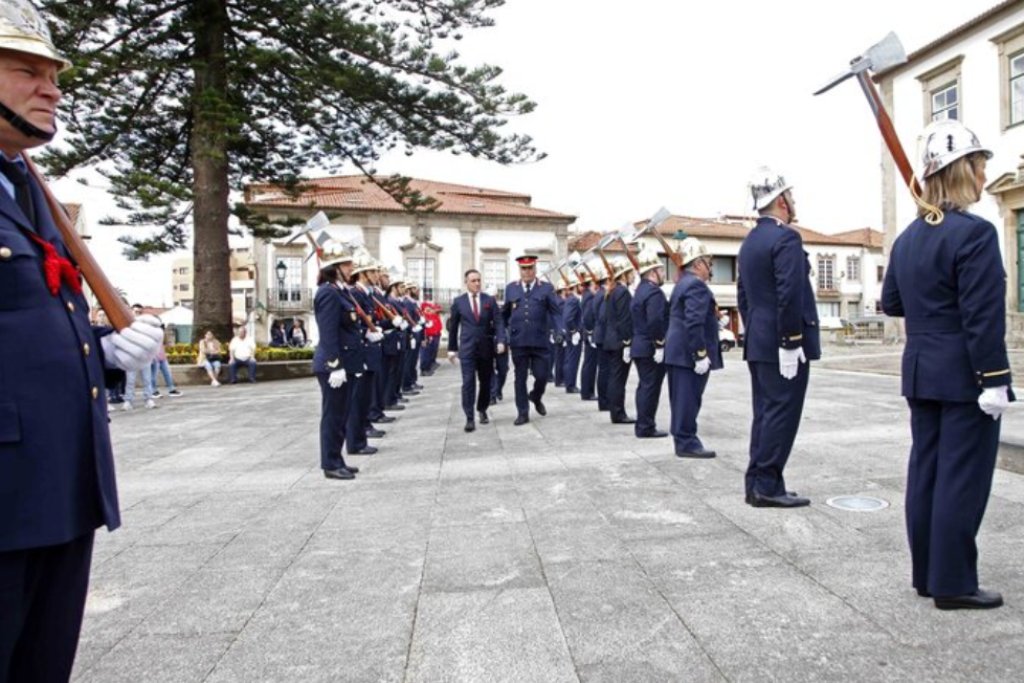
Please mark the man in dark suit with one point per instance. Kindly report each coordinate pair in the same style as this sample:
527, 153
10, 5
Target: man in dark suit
691, 347
474, 328
776, 302
650, 323
530, 305
57, 482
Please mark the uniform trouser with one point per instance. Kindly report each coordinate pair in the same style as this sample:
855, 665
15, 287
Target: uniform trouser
428, 353
558, 362
333, 419
393, 365
571, 364
377, 393
526, 359
952, 461
409, 367
358, 411
42, 599
476, 369
603, 371
685, 395
778, 404
648, 394
588, 374
500, 374
615, 391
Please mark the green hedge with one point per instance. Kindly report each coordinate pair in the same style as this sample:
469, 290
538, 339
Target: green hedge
186, 354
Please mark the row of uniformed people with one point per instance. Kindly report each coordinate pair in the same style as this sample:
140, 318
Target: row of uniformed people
365, 361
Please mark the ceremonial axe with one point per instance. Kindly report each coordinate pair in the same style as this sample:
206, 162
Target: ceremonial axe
883, 55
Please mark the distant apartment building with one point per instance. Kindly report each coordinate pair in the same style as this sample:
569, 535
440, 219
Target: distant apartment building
243, 278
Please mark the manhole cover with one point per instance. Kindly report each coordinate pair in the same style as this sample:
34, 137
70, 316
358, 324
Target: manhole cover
858, 503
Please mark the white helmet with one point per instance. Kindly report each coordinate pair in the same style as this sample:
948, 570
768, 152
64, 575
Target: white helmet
333, 252
23, 29
945, 142
692, 249
621, 266
648, 260
765, 185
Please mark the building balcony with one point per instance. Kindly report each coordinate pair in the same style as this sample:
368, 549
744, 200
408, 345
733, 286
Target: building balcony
289, 299
828, 292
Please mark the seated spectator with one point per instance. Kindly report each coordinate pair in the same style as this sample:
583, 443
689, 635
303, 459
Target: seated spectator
210, 354
242, 351
297, 335
278, 335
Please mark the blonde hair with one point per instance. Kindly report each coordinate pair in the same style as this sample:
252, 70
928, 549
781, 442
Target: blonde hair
953, 187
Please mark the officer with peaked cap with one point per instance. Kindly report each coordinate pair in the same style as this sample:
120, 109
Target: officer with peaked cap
777, 305
57, 483
529, 307
691, 347
649, 311
339, 358
616, 338
946, 279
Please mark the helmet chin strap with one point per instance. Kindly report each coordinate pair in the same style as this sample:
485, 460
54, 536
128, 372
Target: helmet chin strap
24, 126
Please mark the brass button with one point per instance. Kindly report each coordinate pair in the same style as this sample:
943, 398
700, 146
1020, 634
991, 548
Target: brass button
6, 253
85, 349
95, 393
71, 307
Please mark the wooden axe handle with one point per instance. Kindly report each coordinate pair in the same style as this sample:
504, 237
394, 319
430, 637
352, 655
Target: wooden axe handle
118, 313
888, 131
632, 258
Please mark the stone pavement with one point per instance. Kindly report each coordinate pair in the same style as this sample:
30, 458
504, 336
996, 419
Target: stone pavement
562, 550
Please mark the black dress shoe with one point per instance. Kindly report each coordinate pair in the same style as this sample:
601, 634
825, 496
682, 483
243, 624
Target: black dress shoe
560, 385
624, 421
572, 390
656, 434
494, 401
589, 398
703, 454
410, 392
352, 468
395, 406
418, 387
784, 501
365, 450
521, 420
403, 400
750, 501
979, 599
340, 473
539, 405
923, 593
386, 419
470, 426
375, 433
483, 417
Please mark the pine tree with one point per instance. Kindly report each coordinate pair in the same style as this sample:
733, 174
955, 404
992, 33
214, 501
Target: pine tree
178, 102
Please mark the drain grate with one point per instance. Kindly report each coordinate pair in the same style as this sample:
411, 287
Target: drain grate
857, 503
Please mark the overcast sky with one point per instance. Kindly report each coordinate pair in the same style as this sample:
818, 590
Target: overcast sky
648, 103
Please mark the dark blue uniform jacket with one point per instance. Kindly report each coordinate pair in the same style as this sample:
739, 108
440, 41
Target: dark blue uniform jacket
692, 324
650, 319
341, 344
530, 319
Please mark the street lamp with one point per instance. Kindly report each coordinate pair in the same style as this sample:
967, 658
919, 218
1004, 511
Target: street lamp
282, 271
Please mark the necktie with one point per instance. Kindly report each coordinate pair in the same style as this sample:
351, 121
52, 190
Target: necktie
22, 193
476, 311
528, 285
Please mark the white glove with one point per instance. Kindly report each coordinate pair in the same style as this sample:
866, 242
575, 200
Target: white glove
501, 348
993, 401
591, 342
659, 355
134, 347
398, 321
575, 338
790, 360
337, 378
417, 328
626, 354
412, 343
452, 356
702, 366
374, 336
551, 339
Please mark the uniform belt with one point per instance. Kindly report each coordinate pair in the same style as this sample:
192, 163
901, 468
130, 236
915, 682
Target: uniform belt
933, 324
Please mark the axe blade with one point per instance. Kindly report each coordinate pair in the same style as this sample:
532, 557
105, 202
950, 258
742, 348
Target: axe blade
662, 215
319, 221
607, 239
885, 54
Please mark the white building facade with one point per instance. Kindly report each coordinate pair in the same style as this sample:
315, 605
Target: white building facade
975, 74
471, 228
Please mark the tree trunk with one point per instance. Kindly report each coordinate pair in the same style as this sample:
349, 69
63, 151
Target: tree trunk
211, 255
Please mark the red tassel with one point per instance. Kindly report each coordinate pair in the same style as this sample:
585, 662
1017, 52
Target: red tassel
56, 268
